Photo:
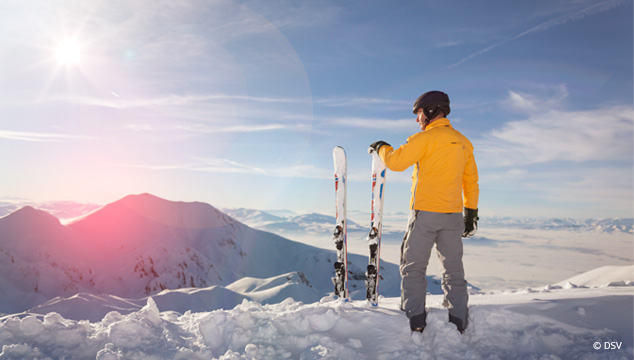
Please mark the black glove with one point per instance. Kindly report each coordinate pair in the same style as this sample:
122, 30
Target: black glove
375, 146
470, 222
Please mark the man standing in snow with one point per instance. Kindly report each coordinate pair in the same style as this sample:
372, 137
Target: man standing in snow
445, 180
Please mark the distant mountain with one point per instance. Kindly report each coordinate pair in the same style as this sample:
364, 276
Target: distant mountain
142, 244
395, 223
599, 225
59, 209
253, 216
294, 225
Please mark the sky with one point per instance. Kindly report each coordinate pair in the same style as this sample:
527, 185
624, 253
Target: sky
240, 103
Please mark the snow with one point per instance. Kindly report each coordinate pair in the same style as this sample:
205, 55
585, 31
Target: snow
572, 295
557, 324
604, 276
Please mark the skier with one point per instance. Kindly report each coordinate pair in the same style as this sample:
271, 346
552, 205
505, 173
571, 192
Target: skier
445, 180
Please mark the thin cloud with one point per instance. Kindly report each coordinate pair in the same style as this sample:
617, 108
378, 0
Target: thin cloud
118, 101
121, 102
377, 124
38, 137
246, 128
606, 188
603, 134
562, 20
606, 185
526, 102
226, 166
359, 101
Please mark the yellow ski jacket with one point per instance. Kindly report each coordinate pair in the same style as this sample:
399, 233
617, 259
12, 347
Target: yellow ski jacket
445, 175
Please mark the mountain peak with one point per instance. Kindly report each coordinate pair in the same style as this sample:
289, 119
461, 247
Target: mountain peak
189, 215
30, 215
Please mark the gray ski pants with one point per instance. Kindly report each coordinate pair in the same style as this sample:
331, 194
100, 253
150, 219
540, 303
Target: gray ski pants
423, 231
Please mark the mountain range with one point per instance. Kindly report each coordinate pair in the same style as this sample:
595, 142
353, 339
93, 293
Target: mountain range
142, 245
298, 224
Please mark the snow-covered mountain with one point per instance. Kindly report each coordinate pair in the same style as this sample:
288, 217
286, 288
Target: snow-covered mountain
313, 225
141, 245
598, 225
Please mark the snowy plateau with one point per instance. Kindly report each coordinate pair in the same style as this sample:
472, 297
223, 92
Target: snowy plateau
148, 278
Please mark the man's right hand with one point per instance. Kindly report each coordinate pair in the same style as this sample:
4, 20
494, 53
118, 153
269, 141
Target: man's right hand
375, 146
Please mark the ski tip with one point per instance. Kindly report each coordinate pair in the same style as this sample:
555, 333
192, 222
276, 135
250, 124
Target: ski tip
338, 150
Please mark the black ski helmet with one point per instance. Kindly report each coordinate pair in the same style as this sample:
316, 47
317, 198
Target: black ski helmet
431, 102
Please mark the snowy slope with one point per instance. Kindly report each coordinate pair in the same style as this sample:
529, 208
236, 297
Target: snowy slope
141, 245
603, 276
581, 323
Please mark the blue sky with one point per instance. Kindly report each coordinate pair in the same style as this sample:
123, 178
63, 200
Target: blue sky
239, 103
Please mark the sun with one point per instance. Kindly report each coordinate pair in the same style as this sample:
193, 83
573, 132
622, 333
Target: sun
68, 53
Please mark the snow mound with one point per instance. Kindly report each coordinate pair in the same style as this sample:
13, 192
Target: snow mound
601, 277
273, 290
553, 326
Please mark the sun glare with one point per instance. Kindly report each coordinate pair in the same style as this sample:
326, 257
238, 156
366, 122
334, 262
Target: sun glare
68, 53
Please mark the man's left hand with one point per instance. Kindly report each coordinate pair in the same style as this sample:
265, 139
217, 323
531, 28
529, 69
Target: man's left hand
470, 222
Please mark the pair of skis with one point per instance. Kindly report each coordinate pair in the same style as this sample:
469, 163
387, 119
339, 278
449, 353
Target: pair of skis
340, 234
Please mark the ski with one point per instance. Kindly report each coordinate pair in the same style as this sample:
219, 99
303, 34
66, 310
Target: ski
340, 234
374, 237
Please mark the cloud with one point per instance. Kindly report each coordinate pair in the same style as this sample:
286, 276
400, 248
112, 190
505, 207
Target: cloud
561, 20
217, 113
603, 134
241, 128
38, 137
609, 186
586, 191
361, 101
526, 102
226, 166
554, 156
208, 165
120, 102
376, 124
